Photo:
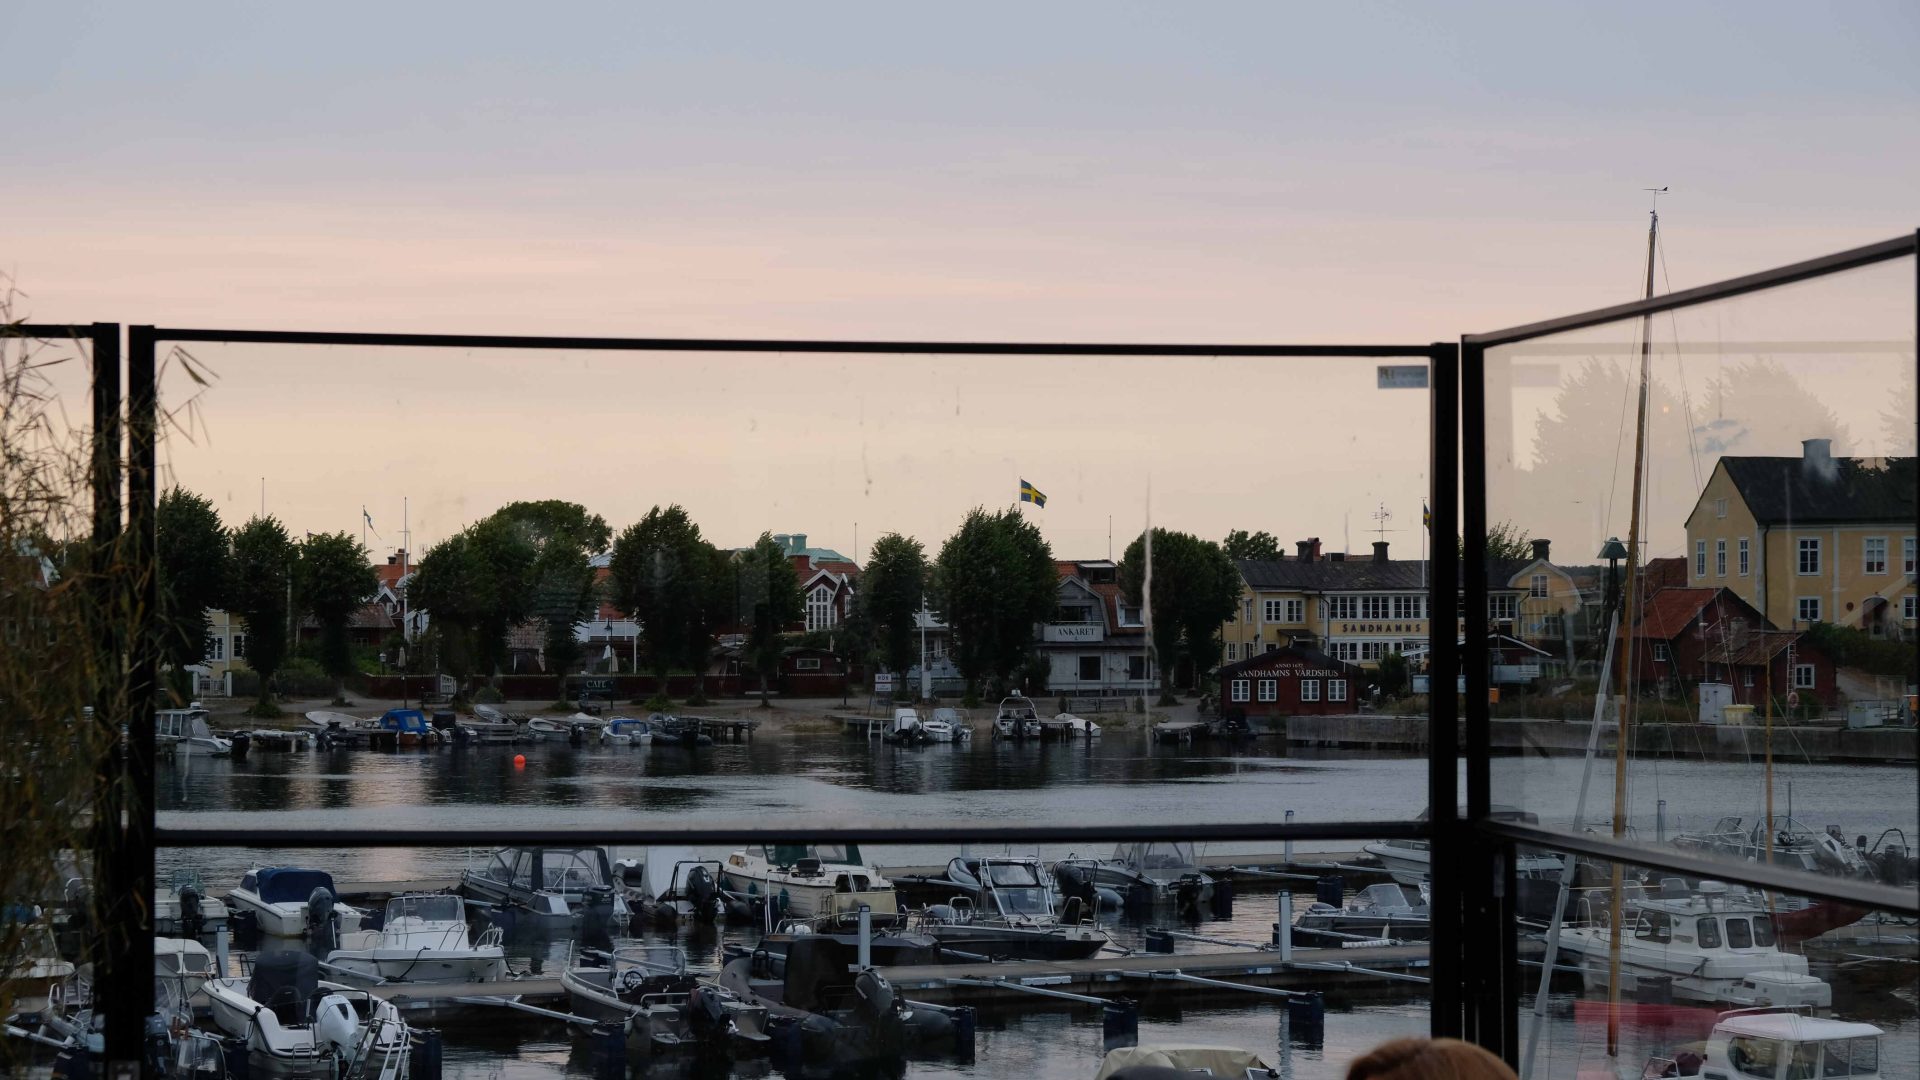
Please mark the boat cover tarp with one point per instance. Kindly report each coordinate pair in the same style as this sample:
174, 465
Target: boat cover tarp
1218, 1060
284, 981
818, 965
292, 885
404, 720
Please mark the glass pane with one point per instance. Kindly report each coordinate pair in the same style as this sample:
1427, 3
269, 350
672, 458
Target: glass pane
1832, 997
1766, 657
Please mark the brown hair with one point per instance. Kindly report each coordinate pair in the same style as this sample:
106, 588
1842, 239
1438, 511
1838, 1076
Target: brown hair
1428, 1059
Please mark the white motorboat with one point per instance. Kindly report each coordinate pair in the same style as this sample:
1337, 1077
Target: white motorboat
627, 731
1144, 874
548, 884
184, 908
184, 732
183, 963
1219, 1061
906, 729
1766, 1044
1016, 718
285, 901
947, 725
489, 725
673, 886
289, 1016
425, 938
1001, 907
662, 1005
809, 880
1068, 726
37, 974
1707, 945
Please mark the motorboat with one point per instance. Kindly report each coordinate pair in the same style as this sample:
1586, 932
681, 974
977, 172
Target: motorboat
184, 733
672, 886
1166, 1060
906, 729
423, 938
1410, 862
549, 884
36, 974
840, 1014
489, 726
809, 880
183, 907
289, 1016
1794, 844
661, 1004
1144, 874
1002, 908
627, 731
1016, 718
287, 901
1707, 944
406, 727
341, 729
1067, 726
1179, 731
1769, 1044
947, 725
677, 731
183, 963
1379, 914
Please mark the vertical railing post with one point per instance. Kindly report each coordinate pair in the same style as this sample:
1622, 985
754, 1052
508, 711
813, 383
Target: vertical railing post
1445, 478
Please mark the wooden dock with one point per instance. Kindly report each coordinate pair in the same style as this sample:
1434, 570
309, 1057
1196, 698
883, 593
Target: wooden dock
442, 1002
724, 728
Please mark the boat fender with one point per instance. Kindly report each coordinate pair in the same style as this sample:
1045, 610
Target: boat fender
1109, 898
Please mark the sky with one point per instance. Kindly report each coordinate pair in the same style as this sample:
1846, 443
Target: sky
1094, 172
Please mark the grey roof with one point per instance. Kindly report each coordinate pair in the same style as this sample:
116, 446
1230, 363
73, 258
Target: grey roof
1793, 489
1325, 575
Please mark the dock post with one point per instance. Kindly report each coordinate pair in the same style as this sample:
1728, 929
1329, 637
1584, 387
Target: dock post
1120, 1023
1660, 822
221, 950
1287, 858
866, 937
1283, 930
1307, 1019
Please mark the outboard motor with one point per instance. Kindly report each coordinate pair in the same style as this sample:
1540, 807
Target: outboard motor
1076, 882
577, 735
876, 993
191, 917
242, 742
1186, 895
701, 892
321, 923
706, 1014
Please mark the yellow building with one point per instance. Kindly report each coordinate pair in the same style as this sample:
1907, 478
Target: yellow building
1810, 539
226, 653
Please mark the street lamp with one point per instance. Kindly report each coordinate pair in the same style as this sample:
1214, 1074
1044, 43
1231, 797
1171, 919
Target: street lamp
1613, 551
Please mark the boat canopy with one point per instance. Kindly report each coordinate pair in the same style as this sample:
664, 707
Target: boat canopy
284, 979
291, 885
789, 854
404, 720
1157, 855
431, 907
627, 725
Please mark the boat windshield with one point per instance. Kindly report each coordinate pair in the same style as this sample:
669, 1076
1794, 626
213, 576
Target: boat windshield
1851, 1057
789, 854
441, 907
1023, 900
1754, 1056
1012, 874
1166, 856
654, 959
576, 868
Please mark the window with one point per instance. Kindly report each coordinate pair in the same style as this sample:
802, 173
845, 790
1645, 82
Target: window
1269, 690
1719, 508
1309, 689
1906, 555
1660, 651
1232, 647
1336, 689
1803, 676
820, 608
1700, 558
1090, 669
216, 648
1130, 614
1719, 558
1239, 690
1809, 555
1853, 1057
1746, 677
1809, 609
1296, 611
1654, 926
1537, 588
1502, 608
806, 663
1743, 557
1754, 1056
1342, 607
1873, 555
239, 646
1137, 668
1409, 607
1554, 625
1763, 931
1907, 607
1248, 604
1375, 607
1273, 646
1709, 930
1271, 610
1739, 934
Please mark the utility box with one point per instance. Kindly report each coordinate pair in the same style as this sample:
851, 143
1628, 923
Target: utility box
1872, 714
1714, 699
1737, 715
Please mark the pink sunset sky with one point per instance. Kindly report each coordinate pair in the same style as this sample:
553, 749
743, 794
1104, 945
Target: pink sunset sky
1228, 173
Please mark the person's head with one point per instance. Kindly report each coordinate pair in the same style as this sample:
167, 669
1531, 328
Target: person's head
1428, 1059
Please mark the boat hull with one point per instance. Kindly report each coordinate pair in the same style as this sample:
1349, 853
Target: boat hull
423, 965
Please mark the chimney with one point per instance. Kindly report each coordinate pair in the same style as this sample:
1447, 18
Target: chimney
1338, 556
1379, 551
1540, 550
1305, 549
799, 542
1817, 451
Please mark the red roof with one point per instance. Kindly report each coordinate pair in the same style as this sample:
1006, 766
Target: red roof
1671, 611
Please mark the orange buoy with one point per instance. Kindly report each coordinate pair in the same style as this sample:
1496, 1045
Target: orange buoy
519, 761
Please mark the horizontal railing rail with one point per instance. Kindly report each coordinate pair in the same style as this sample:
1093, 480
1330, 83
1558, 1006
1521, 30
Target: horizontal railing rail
1870, 894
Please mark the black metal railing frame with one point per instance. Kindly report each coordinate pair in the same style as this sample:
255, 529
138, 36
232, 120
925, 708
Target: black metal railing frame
1473, 854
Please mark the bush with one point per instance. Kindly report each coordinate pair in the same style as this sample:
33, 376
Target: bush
1853, 648
487, 695
659, 702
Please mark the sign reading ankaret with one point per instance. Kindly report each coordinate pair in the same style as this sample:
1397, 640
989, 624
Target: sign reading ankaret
1292, 681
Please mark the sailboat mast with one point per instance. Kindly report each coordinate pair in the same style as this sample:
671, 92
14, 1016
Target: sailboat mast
1631, 604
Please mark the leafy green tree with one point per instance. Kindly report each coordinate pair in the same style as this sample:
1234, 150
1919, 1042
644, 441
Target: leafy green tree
551, 521
1505, 543
995, 582
259, 579
333, 579
1391, 675
766, 599
191, 561
663, 574
1241, 544
891, 589
503, 573
1195, 588
565, 537
445, 586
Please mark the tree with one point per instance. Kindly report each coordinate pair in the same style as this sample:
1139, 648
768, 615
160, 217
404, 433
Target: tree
767, 598
995, 581
1505, 543
891, 589
444, 585
502, 568
1391, 675
258, 580
191, 560
662, 575
1195, 588
1241, 544
333, 579
565, 537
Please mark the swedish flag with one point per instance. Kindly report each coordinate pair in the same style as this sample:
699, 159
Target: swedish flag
1029, 493
1426, 516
